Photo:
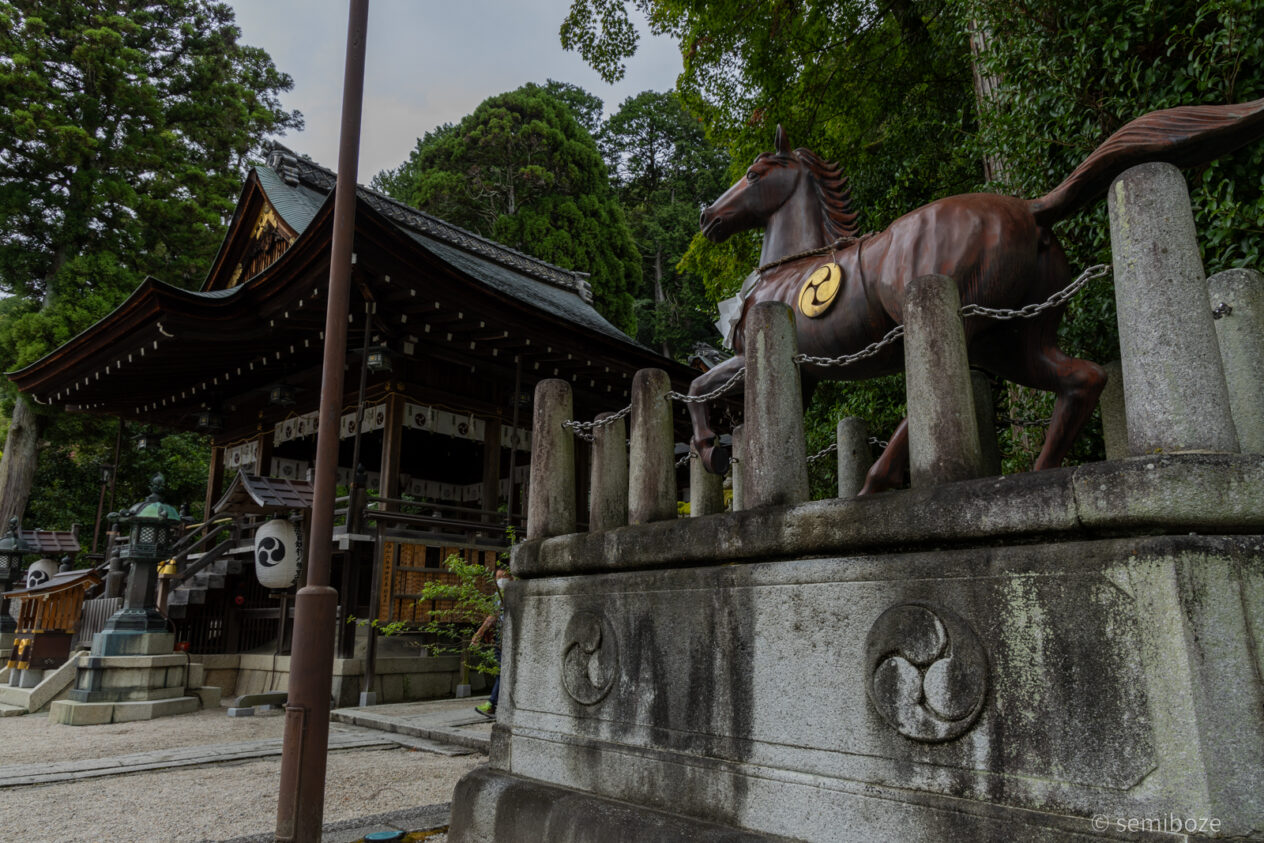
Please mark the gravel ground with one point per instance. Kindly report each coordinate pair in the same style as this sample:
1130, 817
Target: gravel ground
210, 802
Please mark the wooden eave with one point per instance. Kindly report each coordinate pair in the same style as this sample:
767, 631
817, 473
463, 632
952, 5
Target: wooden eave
166, 352
58, 583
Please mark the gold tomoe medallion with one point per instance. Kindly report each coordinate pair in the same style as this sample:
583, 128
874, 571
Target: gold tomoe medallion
820, 290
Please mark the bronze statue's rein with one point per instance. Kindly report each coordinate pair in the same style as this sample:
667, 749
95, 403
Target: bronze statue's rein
822, 250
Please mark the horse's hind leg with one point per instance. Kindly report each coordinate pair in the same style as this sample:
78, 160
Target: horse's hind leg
1039, 363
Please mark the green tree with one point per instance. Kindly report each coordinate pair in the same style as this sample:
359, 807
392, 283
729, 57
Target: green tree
521, 170
124, 126
888, 91
663, 169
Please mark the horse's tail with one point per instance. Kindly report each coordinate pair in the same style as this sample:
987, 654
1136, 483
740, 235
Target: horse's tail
1185, 136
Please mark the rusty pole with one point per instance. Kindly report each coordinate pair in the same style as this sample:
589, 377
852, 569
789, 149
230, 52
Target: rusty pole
301, 803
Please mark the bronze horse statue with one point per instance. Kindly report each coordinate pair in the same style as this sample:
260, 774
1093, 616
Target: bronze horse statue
1001, 251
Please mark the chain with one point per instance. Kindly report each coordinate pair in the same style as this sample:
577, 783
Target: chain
1059, 298
833, 446
823, 250
847, 359
581, 429
686, 458
827, 450
713, 394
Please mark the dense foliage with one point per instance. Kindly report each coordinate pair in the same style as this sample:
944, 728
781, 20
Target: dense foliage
663, 170
521, 170
890, 92
124, 126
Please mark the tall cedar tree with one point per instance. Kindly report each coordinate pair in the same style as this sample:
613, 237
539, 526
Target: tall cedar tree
663, 169
124, 127
522, 171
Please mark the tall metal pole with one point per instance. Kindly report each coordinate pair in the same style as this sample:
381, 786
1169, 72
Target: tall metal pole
301, 804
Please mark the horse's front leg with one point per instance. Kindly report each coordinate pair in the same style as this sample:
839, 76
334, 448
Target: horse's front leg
891, 469
714, 456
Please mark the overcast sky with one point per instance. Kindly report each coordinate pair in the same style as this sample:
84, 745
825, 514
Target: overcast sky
428, 63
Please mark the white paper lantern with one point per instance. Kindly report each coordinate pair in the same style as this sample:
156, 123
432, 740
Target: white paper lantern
40, 572
278, 554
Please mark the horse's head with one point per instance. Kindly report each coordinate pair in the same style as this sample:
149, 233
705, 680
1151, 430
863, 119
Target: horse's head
768, 183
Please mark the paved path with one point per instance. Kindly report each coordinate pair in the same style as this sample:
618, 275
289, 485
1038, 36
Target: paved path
446, 721
18, 775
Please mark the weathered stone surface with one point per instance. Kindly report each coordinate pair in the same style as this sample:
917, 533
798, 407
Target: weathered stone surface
551, 505
943, 431
1174, 386
854, 455
1171, 493
651, 472
608, 507
774, 467
1237, 302
706, 490
985, 421
1105, 677
1114, 417
738, 468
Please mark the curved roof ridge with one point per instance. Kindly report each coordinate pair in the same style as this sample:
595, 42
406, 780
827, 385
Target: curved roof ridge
295, 171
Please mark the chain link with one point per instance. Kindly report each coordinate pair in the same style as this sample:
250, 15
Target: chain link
1059, 298
713, 394
580, 428
833, 446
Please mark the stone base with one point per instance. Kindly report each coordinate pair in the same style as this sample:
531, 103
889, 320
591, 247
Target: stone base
1072, 682
488, 805
72, 713
130, 678
128, 643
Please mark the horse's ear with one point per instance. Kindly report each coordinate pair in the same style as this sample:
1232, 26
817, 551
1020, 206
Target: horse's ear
782, 142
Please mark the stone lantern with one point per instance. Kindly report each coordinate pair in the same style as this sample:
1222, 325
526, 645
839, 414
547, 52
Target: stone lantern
152, 529
12, 550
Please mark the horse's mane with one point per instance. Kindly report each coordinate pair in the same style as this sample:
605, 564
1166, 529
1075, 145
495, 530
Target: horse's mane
833, 193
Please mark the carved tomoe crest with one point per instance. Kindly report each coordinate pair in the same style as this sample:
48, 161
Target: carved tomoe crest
819, 291
926, 670
590, 658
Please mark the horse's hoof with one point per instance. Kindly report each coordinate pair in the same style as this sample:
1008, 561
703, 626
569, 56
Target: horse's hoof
715, 459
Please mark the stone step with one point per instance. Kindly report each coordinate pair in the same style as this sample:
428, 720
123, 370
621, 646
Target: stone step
207, 580
16, 697
7, 710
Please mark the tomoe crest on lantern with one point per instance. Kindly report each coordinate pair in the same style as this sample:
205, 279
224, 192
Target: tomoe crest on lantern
278, 554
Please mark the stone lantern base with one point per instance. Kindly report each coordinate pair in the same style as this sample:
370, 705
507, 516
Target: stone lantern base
132, 676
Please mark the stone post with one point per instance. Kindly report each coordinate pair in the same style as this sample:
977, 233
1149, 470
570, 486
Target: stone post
551, 496
738, 469
706, 490
1114, 418
985, 420
608, 502
776, 469
854, 456
942, 427
1174, 385
1237, 306
652, 469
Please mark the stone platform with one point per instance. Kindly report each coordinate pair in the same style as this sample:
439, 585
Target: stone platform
1061, 655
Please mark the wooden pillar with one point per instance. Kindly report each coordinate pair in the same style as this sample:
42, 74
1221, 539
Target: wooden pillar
214, 480
491, 469
263, 462
392, 445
